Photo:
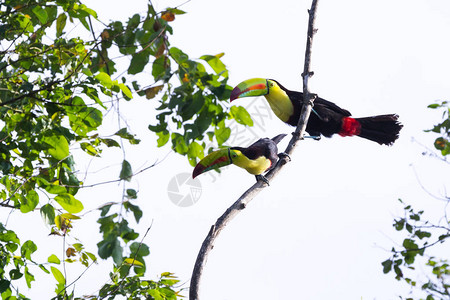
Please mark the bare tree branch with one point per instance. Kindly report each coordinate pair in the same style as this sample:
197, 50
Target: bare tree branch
241, 203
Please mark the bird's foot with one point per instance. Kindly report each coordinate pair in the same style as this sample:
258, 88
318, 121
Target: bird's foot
284, 156
262, 178
312, 98
314, 137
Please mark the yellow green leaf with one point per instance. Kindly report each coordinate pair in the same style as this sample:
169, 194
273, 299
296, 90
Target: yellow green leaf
69, 203
132, 261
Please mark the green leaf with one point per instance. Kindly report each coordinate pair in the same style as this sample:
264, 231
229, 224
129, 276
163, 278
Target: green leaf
58, 145
69, 203
117, 253
48, 214
139, 249
203, 122
43, 268
125, 90
110, 142
88, 10
70, 216
138, 62
9, 237
422, 234
53, 259
195, 151
29, 201
192, 107
132, 261
25, 23
163, 137
387, 266
399, 224
241, 115
15, 274
179, 144
28, 277
4, 285
126, 173
105, 80
409, 244
137, 212
155, 294
216, 64
123, 133
106, 246
178, 55
131, 194
159, 67
40, 13
222, 134
176, 11
27, 249
58, 275
61, 24
53, 188
89, 149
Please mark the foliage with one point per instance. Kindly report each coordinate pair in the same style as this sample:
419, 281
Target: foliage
53, 88
442, 143
422, 234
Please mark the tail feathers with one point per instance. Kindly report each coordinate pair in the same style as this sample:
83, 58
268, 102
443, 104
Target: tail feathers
383, 129
278, 138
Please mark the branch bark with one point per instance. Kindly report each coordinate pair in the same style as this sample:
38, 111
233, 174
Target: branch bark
248, 196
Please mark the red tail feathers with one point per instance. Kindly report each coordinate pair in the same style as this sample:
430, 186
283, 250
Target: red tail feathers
383, 129
350, 127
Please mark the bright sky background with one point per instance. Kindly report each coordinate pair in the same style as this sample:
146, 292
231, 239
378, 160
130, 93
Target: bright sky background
323, 227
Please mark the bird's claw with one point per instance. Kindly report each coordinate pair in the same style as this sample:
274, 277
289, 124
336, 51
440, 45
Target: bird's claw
262, 178
284, 156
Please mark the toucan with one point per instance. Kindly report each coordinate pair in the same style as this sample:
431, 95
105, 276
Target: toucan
259, 157
326, 117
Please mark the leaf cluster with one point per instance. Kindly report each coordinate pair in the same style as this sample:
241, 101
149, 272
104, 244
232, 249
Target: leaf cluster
421, 235
442, 143
52, 100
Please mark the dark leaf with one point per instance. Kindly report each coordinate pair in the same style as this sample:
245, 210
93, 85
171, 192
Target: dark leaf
48, 214
126, 173
387, 266
4, 285
138, 62
153, 91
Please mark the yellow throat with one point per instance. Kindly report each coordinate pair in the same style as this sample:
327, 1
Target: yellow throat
255, 167
279, 102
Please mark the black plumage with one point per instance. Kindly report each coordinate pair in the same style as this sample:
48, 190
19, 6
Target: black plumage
327, 119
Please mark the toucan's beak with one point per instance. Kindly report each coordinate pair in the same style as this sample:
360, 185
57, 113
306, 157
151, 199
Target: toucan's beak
214, 160
250, 88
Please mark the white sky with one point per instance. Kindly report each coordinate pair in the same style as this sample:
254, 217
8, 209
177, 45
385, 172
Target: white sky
321, 229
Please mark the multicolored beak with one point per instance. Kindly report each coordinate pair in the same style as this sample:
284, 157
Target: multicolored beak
214, 160
250, 88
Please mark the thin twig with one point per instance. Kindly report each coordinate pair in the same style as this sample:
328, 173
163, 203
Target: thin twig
241, 203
